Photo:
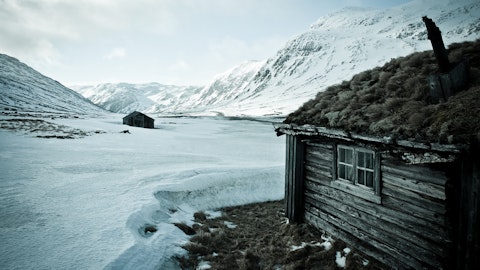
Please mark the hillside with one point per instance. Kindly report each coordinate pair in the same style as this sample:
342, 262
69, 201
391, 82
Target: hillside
349, 41
128, 97
171, 99
394, 101
332, 50
22, 89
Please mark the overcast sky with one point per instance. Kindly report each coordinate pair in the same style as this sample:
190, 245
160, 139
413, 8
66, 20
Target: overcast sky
183, 42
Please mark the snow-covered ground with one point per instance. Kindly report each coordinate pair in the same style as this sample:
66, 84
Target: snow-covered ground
84, 203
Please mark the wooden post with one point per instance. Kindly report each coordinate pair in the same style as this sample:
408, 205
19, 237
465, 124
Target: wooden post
443, 86
435, 37
450, 80
294, 174
468, 240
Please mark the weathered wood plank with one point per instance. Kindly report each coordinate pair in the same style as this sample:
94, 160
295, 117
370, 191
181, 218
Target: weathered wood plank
392, 230
379, 250
468, 245
287, 175
319, 169
294, 178
320, 153
412, 184
316, 177
319, 144
414, 210
309, 156
436, 206
365, 227
319, 149
365, 247
423, 227
417, 172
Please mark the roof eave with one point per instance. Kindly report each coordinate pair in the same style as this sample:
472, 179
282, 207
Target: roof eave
310, 130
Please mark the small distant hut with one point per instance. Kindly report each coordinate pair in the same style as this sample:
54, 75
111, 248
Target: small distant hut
381, 164
138, 119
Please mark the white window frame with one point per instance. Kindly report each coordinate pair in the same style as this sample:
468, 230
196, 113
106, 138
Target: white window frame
353, 186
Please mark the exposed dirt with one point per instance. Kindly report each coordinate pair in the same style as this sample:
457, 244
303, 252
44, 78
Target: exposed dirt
258, 236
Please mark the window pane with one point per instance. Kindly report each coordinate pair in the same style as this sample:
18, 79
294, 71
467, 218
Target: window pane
360, 159
341, 154
361, 177
369, 160
349, 156
369, 179
341, 171
349, 172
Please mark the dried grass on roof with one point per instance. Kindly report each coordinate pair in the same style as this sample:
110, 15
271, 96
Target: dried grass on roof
393, 100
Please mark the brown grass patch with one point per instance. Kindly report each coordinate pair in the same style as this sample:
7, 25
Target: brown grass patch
394, 100
257, 236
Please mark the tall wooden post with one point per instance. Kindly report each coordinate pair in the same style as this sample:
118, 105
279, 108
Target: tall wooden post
452, 78
435, 37
468, 245
294, 173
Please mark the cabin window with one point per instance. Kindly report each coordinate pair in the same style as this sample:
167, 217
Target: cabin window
345, 164
357, 172
365, 169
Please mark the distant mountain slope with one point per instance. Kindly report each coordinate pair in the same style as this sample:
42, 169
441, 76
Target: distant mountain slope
336, 47
128, 97
168, 99
23, 89
225, 87
349, 41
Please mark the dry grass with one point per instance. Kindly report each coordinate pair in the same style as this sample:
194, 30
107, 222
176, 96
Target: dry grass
262, 240
394, 100
44, 129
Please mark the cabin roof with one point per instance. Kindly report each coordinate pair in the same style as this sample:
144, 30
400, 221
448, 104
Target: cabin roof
135, 113
393, 101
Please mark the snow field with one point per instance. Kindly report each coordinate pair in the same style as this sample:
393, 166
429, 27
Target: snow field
85, 203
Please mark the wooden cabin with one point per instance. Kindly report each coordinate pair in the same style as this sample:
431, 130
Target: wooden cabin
374, 162
138, 119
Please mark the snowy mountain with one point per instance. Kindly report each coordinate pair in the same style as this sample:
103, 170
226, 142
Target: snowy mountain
336, 47
347, 42
127, 97
225, 87
22, 89
171, 99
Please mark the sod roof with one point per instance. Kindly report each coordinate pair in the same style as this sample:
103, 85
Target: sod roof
394, 100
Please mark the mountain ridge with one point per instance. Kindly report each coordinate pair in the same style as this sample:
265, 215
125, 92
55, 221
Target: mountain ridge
24, 89
332, 49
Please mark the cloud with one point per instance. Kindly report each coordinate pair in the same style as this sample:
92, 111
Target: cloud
230, 48
115, 54
180, 65
30, 27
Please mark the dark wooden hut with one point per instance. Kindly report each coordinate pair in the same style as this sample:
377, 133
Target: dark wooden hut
374, 162
138, 119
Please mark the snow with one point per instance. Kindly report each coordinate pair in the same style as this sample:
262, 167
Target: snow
230, 225
341, 257
326, 244
204, 265
85, 203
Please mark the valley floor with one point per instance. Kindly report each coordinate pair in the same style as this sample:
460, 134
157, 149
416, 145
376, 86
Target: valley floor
79, 193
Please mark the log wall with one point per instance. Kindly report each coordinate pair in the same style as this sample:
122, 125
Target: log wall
294, 200
408, 229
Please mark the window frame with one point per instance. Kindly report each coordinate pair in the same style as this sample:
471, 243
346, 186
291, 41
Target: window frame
353, 186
